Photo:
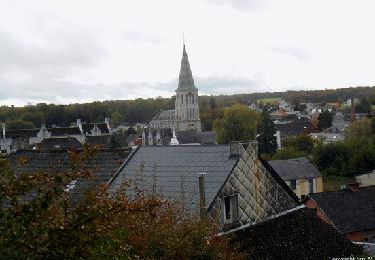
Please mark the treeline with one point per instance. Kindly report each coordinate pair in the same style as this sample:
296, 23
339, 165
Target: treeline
120, 111
143, 110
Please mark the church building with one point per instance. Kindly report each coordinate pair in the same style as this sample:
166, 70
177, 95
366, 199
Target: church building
185, 116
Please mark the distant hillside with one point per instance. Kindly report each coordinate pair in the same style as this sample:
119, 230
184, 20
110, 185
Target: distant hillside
142, 110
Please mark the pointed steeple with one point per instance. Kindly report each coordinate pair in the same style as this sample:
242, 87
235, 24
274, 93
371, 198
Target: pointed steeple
185, 81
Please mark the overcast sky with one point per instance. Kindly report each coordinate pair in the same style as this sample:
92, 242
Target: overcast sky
79, 51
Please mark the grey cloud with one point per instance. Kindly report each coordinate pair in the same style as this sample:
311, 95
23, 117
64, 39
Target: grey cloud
295, 52
58, 47
228, 85
241, 4
140, 37
62, 92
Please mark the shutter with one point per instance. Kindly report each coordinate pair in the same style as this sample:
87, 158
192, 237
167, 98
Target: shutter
234, 208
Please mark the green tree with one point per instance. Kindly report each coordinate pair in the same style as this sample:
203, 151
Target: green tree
303, 143
325, 120
19, 124
267, 130
116, 118
359, 128
238, 124
364, 106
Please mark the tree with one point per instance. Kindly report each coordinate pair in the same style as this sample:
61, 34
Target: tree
303, 143
325, 120
359, 128
238, 124
364, 106
267, 130
48, 225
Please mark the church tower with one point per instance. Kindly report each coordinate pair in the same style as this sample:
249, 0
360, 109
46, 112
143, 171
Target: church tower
186, 106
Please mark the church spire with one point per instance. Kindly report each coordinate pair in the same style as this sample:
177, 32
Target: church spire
185, 81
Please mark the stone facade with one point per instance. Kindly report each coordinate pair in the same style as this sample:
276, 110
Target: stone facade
185, 116
259, 194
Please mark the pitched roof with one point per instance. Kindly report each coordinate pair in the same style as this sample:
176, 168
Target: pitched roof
22, 133
296, 127
87, 127
279, 180
297, 234
185, 81
59, 143
189, 137
64, 131
103, 164
174, 171
296, 168
348, 211
165, 115
102, 140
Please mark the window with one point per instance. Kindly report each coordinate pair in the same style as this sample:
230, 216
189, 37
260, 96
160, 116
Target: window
293, 184
231, 208
311, 185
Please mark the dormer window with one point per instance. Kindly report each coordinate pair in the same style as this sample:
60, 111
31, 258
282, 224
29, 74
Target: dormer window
231, 209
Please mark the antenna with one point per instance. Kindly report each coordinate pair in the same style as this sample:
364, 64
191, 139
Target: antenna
183, 37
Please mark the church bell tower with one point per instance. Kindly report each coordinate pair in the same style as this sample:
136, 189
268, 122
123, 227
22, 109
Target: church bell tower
186, 106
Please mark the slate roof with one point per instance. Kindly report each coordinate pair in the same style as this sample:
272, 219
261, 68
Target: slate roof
63, 131
297, 234
348, 211
295, 128
87, 127
165, 115
185, 81
175, 170
21, 133
101, 140
59, 143
189, 137
103, 165
297, 168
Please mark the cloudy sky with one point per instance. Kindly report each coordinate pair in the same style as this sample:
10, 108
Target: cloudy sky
79, 51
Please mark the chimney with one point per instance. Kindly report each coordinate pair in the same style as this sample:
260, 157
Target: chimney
202, 198
107, 121
278, 139
353, 109
353, 186
3, 126
79, 125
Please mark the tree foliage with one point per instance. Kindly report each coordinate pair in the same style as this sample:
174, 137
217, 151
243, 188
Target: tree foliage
325, 120
238, 124
355, 155
267, 130
38, 219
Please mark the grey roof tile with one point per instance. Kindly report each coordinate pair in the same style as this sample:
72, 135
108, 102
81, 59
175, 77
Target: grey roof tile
173, 165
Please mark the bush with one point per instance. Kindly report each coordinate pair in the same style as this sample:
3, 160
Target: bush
39, 220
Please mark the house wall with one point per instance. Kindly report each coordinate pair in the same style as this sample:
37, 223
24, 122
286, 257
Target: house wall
303, 186
259, 194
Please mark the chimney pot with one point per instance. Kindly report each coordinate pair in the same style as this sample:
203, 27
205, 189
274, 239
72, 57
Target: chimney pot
353, 186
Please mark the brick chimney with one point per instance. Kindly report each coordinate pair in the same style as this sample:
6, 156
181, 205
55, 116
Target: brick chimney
353, 186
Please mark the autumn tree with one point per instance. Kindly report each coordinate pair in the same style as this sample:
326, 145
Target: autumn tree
40, 220
267, 130
238, 124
